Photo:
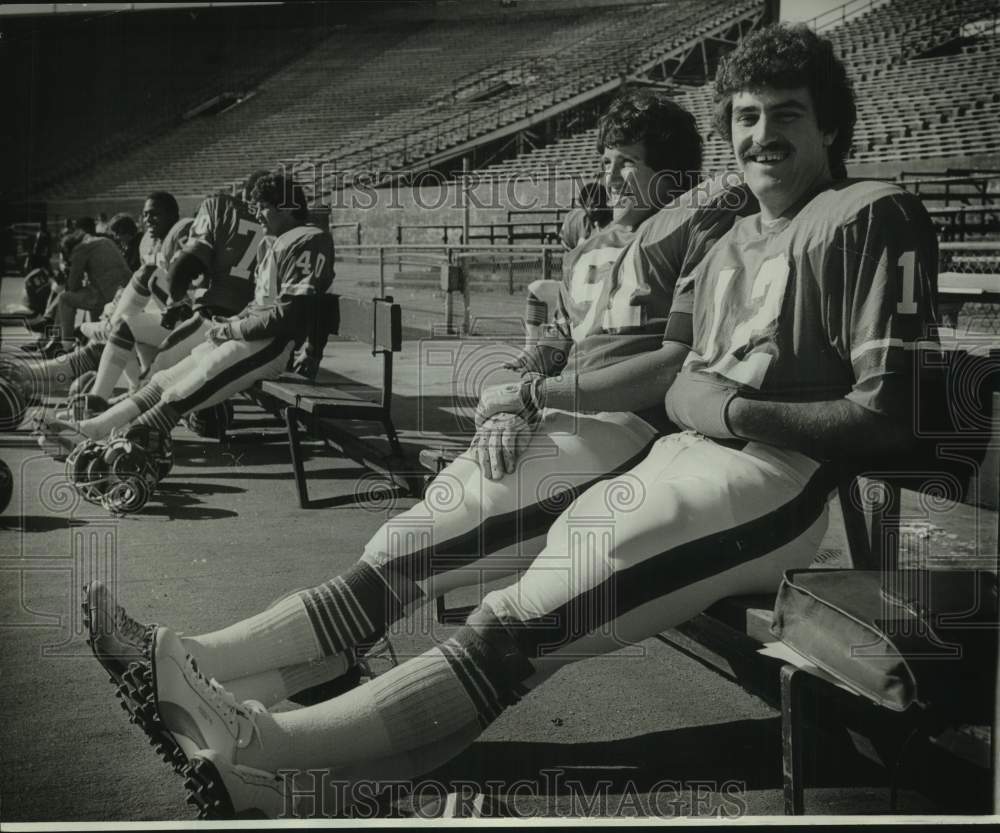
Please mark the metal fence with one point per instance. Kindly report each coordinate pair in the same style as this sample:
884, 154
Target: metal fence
969, 284
491, 278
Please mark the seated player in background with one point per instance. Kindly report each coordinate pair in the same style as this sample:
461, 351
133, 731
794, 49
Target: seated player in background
55, 375
294, 265
132, 332
591, 214
220, 254
497, 524
802, 325
100, 261
123, 230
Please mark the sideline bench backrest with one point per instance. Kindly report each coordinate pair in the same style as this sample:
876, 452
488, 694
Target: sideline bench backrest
377, 322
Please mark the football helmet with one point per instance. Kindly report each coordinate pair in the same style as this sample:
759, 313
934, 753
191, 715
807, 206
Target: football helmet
132, 475
156, 444
87, 471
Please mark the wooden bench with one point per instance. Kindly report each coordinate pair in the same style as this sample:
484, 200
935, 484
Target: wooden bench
320, 404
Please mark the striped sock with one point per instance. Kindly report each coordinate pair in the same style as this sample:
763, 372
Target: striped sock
280, 636
53, 377
305, 627
116, 416
120, 345
147, 396
85, 358
357, 606
162, 416
413, 707
133, 299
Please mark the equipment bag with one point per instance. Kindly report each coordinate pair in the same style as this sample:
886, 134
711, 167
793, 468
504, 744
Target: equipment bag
900, 638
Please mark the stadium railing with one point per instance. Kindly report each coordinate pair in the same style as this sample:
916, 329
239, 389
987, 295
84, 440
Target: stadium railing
542, 231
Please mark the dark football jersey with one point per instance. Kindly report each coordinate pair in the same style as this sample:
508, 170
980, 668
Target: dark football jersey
225, 237
299, 262
830, 303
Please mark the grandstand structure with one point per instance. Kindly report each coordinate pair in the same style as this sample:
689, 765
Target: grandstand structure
917, 98
340, 97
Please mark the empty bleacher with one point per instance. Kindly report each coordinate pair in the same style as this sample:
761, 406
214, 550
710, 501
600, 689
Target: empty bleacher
387, 96
909, 107
354, 85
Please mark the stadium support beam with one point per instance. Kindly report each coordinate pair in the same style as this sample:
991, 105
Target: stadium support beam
724, 36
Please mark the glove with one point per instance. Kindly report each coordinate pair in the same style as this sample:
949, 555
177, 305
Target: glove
524, 398
499, 443
699, 402
220, 331
174, 314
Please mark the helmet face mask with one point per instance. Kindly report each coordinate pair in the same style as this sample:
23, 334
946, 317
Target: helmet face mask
120, 475
133, 474
86, 470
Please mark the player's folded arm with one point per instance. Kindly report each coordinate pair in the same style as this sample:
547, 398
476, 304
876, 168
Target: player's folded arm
636, 383
184, 269
289, 318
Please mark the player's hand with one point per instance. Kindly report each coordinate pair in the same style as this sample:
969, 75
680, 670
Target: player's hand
499, 443
220, 331
305, 364
524, 398
522, 363
173, 315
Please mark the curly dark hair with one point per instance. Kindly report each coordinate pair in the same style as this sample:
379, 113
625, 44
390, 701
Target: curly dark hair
667, 131
786, 57
283, 192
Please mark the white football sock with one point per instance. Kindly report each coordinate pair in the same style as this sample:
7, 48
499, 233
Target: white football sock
411, 707
270, 687
114, 417
278, 637
116, 354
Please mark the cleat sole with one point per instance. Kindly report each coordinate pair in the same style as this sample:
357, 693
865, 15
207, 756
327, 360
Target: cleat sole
139, 699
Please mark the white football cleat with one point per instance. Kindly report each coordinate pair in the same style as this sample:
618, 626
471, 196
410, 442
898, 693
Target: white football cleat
221, 789
197, 711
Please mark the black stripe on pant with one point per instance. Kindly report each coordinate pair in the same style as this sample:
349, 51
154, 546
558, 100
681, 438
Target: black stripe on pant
666, 572
500, 531
184, 330
229, 375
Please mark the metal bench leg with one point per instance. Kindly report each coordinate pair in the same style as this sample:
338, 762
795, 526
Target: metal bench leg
291, 420
390, 432
791, 739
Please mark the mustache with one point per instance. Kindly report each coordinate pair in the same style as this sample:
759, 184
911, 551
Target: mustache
754, 149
